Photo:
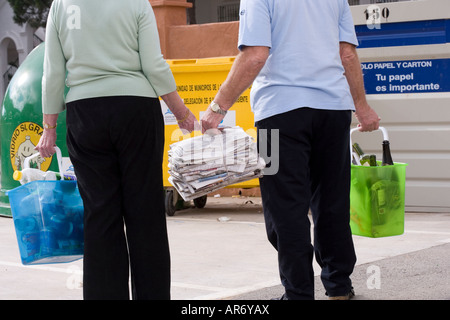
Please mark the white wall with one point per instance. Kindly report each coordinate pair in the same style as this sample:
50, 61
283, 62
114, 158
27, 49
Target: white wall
418, 123
10, 32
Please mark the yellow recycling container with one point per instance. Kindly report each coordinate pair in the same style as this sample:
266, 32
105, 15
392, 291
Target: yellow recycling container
198, 81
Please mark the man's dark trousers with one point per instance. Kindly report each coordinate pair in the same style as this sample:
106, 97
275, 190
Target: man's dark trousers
116, 146
314, 173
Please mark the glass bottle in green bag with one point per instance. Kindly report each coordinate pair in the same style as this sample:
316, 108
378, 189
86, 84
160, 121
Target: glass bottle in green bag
365, 159
387, 158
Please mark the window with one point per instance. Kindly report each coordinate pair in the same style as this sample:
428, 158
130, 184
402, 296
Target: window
228, 12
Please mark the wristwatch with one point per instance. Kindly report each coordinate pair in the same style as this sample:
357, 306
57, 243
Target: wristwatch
217, 109
47, 126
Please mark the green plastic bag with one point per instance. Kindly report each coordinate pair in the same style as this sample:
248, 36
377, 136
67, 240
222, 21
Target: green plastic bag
377, 199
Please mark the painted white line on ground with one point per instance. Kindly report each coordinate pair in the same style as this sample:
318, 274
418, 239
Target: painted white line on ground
427, 232
232, 292
77, 270
215, 221
67, 269
196, 286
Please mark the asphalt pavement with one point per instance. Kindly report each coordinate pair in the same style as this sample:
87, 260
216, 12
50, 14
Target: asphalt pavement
221, 252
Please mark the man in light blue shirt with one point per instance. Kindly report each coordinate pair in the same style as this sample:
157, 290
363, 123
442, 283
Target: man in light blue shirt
300, 58
304, 67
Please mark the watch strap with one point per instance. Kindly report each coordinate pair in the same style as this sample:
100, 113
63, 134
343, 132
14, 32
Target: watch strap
217, 108
47, 126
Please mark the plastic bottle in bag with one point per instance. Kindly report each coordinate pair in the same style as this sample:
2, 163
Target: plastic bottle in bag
32, 174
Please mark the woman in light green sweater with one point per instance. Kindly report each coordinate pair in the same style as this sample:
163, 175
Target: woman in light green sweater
108, 53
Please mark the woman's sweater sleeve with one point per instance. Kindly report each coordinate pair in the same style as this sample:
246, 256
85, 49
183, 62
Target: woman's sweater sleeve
53, 80
153, 64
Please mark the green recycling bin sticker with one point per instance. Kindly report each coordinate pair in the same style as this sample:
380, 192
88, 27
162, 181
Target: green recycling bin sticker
24, 139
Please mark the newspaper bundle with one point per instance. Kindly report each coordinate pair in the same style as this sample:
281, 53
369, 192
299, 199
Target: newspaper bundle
200, 165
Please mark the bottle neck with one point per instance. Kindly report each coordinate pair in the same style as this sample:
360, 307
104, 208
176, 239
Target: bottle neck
387, 158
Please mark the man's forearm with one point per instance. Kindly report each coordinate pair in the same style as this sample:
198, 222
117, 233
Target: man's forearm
245, 69
367, 117
353, 73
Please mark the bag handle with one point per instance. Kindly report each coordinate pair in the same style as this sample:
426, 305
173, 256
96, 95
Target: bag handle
385, 137
26, 163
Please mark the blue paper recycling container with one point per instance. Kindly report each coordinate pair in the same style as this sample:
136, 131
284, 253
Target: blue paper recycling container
48, 218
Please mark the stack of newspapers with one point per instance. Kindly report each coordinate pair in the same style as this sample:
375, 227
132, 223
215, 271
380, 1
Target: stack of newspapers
202, 164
